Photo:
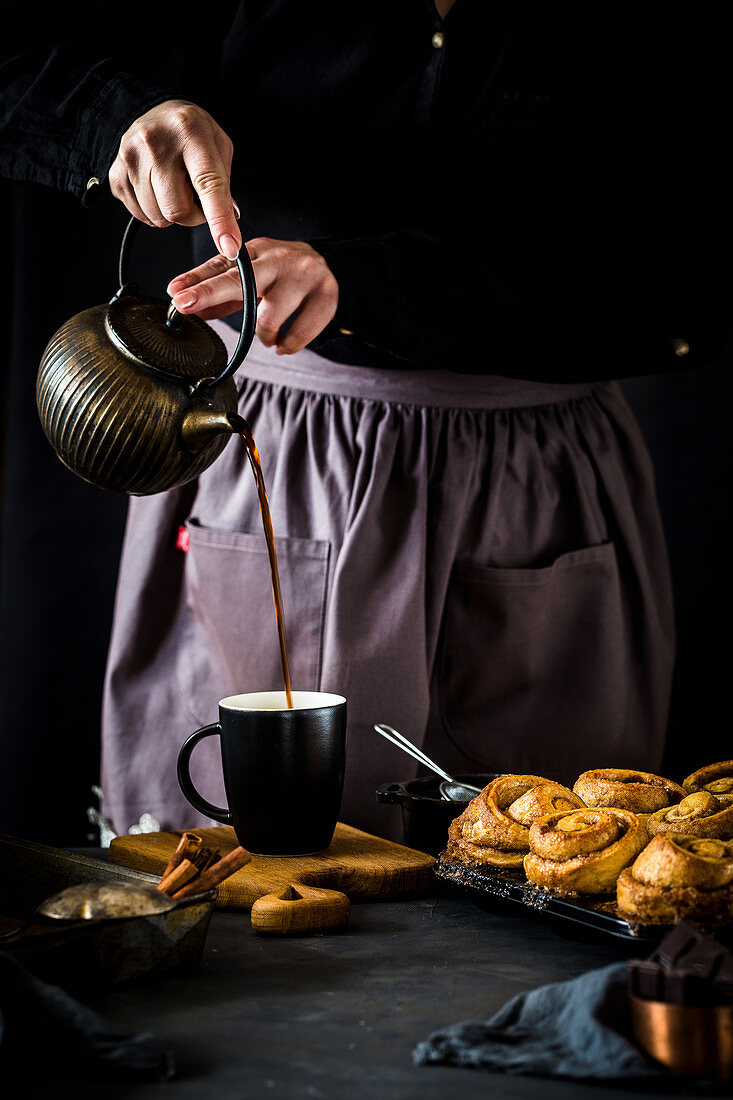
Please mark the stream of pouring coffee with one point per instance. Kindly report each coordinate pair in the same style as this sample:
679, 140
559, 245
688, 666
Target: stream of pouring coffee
245, 433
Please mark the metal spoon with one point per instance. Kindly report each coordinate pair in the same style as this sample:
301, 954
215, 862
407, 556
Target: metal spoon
450, 790
455, 791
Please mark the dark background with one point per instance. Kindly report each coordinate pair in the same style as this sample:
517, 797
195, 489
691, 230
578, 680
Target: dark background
60, 539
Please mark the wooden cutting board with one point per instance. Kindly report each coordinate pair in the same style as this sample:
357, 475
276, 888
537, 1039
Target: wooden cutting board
296, 894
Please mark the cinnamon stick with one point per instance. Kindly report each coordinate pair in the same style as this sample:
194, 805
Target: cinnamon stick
187, 847
215, 874
188, 869
206, 857
179, 876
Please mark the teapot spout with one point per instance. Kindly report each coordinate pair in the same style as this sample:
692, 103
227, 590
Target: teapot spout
200, 425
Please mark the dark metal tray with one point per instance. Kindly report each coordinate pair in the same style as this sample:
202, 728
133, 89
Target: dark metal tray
91, 952
594, 914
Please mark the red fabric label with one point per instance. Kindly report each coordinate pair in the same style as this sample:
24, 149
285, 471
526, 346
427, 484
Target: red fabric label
183, 539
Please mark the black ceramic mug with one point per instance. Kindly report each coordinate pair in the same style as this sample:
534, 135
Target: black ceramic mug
283, 769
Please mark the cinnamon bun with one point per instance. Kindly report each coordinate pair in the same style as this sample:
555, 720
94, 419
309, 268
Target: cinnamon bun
716, 778
583, 851
698, 814
676, 877
624, 789
494, 827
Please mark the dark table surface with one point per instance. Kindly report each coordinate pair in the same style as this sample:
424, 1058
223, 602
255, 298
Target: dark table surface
337, 1015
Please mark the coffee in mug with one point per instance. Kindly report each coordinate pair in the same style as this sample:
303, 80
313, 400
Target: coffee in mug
283, 769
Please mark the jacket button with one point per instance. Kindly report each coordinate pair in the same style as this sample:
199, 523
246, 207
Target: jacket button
681, 347
438, 40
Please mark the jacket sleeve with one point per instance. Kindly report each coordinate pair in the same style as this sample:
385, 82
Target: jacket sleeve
409, 300
65, 98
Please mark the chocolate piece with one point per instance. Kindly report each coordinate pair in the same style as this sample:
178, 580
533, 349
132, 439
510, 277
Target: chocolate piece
687, 968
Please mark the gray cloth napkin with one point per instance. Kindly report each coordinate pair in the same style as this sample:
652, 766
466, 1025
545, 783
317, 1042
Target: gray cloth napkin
578, 1029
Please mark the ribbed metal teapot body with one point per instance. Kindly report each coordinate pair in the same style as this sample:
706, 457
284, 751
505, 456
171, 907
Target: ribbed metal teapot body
136, 398
116, 423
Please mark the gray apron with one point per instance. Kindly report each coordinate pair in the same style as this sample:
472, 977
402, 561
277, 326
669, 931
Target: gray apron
475, 560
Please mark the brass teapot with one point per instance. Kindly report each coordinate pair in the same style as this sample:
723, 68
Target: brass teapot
136, 397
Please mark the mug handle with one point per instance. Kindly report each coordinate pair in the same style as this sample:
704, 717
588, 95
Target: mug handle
184, 775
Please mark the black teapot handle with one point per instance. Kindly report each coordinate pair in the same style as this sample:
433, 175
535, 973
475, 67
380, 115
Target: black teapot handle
249, 302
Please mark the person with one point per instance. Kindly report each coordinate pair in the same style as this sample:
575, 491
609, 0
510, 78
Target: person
459, 239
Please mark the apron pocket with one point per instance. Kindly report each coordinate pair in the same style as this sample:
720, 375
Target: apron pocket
534, 664
230, 641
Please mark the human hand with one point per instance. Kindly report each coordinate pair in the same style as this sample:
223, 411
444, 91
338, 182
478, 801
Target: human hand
292, 279
170, 155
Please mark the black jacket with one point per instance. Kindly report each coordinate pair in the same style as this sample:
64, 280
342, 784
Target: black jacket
508, 191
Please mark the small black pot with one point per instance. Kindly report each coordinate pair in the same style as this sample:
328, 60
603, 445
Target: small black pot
425, 815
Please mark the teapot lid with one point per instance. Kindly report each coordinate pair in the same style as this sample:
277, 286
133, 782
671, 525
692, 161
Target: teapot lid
182, 346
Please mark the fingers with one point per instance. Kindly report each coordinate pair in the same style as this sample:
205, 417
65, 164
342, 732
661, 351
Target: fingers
122, 189
169, 189
275, 308
159, 198
223, 309
226, 150
173, 167
314, 315
209, 293
210, 179
218, 265
205, 296
294, 283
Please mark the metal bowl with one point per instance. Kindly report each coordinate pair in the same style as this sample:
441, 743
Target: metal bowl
425, 814
95, 949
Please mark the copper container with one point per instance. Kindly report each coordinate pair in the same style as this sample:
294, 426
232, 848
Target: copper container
688, 1039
